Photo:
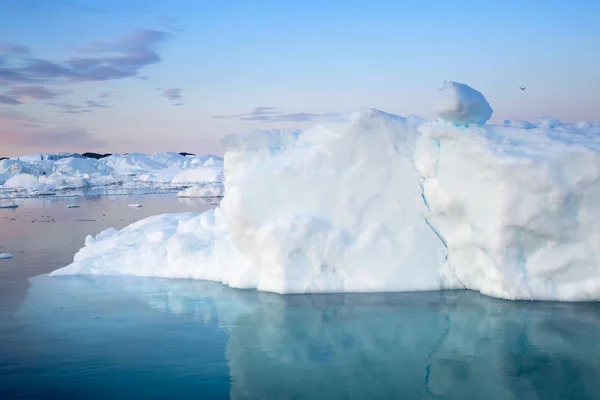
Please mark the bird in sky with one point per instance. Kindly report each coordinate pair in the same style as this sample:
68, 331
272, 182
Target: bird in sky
521, 87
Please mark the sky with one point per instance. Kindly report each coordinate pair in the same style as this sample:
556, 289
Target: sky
152, 75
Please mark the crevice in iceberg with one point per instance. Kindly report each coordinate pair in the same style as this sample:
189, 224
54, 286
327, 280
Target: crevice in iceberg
435, 231
426, 203
424, 198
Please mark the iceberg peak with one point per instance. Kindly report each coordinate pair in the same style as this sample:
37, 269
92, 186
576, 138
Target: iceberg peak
461, 104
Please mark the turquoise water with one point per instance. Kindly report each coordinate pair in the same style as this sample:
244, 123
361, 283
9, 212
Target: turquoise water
115, 337
145, 338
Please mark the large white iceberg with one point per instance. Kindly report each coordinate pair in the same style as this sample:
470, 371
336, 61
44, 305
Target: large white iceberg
38, 174
377, 202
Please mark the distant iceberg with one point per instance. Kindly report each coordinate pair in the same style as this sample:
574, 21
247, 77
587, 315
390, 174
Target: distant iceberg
51, 174
375, 202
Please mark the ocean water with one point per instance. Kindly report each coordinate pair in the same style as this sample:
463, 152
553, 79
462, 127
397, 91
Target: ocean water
88, 337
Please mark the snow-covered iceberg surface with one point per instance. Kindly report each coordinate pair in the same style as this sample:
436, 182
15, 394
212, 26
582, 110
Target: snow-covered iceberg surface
383, 203
51, 174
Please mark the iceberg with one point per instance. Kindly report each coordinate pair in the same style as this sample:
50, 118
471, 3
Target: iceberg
5, 256
374, 202
52, 174
203, 190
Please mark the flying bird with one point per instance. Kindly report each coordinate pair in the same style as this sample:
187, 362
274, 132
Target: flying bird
521, 87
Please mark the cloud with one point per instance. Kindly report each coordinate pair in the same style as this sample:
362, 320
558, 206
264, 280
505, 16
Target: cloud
172, 94
15, 94
33, 92
272, 114
296, 117
9, 100
265, 111
177, 104
82, 111
95, 104
104, 95
67, 108
17, 131
99, 61
257, 111
14, 49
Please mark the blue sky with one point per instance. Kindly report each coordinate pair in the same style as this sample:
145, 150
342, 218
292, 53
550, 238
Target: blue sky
150, 75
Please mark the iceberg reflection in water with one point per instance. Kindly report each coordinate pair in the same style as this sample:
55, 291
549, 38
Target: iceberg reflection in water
200, 338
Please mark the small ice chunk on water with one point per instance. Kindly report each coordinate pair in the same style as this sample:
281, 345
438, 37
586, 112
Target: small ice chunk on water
5, 256
9, 205
135, 205
72, 206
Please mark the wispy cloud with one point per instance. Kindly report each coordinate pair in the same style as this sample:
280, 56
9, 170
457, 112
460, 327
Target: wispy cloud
67, 108
18, 131
99, 61
104, 95
33, 92
95, 104
14, 49
272, 114
9, 100
256, 112
172, 93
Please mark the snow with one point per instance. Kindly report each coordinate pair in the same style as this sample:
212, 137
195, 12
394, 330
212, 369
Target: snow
375, 202
9, 205
5, 256
461, 104
43, 174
